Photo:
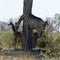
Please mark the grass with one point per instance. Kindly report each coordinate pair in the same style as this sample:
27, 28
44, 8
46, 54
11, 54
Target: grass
6, 39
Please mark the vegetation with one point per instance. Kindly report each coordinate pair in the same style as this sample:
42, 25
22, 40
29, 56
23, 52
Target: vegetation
52, 41
6, 38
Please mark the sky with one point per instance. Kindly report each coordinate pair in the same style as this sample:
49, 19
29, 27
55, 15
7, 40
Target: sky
41, 8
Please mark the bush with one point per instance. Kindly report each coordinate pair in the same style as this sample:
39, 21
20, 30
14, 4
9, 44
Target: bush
52, 41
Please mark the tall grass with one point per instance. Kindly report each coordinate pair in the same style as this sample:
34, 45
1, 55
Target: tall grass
6, 38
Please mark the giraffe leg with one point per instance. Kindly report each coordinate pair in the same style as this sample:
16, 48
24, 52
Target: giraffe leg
40, 37
14, 42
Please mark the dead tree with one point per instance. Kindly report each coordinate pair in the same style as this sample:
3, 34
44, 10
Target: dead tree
16, 33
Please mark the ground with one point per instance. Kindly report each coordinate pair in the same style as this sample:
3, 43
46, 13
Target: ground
23, 55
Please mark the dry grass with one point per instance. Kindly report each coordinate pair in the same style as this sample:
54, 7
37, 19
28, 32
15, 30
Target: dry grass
22, 55
25, 57
17, 58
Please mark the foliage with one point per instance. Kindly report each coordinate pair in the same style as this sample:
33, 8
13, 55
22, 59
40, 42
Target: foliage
52, 41
6, 37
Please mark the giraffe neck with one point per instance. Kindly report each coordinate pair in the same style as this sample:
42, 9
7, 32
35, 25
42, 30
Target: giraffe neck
13, 28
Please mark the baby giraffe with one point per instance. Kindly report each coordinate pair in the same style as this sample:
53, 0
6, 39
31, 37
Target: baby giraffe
16, 33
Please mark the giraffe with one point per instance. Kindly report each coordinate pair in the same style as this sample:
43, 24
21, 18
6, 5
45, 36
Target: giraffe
30, 21
16, 33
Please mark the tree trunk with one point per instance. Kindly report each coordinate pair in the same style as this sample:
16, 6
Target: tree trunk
27, 8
